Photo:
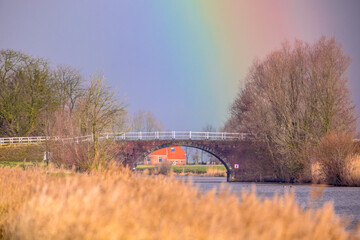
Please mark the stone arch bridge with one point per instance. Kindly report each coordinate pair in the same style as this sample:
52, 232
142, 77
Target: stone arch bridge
230, 148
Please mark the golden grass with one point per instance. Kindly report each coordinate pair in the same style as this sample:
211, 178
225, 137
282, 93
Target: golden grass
354, 168
113, 203
215, 172
206, 171
316, 173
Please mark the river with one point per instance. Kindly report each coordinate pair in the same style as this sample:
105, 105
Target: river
346, 200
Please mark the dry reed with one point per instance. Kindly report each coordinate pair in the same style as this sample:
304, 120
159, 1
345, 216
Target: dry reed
215, 172
113, 203
210, 172
354, 169
337, 155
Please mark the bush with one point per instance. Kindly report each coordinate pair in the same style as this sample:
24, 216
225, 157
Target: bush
336, 155
164, 169
80, 154
71, 154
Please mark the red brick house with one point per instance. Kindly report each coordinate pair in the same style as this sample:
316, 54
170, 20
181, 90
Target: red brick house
173, 155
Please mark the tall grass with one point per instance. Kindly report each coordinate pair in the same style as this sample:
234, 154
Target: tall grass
215, 172
354, 168
200, 170
113, 203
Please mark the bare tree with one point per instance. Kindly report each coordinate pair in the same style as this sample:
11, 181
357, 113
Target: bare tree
146, 122
68, 86
97, 111
209, 128
357, 135
100, 110
196, 156
291, 99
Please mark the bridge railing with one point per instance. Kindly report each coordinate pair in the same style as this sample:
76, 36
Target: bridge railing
132, 136
175, 135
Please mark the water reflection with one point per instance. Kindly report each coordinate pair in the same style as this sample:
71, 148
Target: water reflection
346, 200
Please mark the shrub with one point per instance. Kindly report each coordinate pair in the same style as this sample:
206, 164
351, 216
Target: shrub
79, 154
164, 168
336, 154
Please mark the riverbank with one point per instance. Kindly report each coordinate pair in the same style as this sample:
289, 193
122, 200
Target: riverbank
187, 170
115, 203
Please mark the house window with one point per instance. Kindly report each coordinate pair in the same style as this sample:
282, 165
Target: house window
160, 159
181, 161
148, 160
176, 161
172, 149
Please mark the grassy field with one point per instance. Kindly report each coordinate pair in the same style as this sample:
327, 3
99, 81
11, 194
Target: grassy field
114, 203
22, 152
199, 169
22, 155
17, 164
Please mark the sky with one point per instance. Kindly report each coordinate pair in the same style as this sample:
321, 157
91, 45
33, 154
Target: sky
183, 60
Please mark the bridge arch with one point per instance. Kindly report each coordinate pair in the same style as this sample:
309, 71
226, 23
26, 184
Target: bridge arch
192, 144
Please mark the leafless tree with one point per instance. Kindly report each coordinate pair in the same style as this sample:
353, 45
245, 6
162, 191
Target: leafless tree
68, 86
96, 111
146, 122
291, 99
100, 110
209, 128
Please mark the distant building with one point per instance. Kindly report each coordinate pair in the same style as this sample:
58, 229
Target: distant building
173, 155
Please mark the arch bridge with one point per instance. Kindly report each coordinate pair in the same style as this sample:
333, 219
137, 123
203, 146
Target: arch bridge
230, 148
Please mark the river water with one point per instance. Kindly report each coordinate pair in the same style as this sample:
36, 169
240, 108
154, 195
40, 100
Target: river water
346, 200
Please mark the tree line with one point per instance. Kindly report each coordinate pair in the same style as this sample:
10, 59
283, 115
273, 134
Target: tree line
39, 100
292, 99
32, 94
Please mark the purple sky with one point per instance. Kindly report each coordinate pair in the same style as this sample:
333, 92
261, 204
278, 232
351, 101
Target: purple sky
182, 60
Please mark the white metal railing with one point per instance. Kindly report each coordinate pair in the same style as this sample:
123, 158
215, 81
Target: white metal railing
177, 135
41, 139
135, 136
132, 136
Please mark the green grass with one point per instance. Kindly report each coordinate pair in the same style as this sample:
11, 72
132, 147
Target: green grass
184, 168
145, 167
18, 164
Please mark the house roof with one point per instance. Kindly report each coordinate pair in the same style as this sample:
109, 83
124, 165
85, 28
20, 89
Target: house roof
179, 153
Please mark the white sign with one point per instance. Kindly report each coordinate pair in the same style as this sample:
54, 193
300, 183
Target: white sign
236, 165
